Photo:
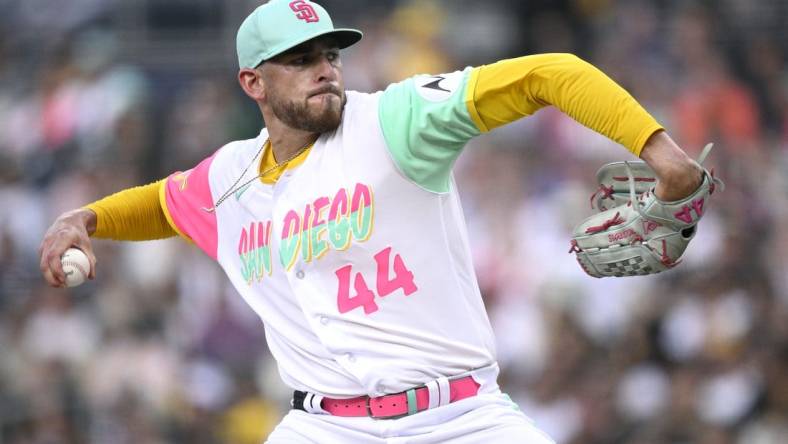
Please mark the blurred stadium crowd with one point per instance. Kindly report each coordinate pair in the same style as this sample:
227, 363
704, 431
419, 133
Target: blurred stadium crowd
99, 95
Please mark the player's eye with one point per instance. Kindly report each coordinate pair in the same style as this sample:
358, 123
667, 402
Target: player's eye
303, 60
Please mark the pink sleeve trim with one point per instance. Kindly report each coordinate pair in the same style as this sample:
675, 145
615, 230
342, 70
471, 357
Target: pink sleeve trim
188, 205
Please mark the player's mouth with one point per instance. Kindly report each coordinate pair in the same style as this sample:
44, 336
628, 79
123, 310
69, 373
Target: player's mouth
325, 91
323, 95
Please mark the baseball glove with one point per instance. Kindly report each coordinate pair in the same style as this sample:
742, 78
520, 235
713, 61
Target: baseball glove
635, 233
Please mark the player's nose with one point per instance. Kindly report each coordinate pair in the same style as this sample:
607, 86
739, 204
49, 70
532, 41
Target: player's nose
326, 70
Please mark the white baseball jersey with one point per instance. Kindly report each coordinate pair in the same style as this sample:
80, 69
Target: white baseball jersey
357, 261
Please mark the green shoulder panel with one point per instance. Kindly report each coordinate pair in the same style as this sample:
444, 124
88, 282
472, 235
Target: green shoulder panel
426, 123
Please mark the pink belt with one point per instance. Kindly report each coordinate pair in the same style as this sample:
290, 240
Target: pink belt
389, 406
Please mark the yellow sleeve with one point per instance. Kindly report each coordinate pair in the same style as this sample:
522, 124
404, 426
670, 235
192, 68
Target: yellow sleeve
510, 89
133, 214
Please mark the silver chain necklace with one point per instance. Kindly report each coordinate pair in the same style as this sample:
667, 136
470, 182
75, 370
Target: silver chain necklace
235, 187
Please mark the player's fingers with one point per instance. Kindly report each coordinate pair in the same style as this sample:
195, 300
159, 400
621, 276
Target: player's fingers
52, 248
86, 248
55, 265
92, 259
52, 280
43, 265
49, 275
46, 244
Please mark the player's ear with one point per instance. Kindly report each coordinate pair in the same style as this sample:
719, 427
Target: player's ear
251, 81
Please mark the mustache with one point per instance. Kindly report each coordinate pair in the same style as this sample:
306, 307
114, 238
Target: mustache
326, 89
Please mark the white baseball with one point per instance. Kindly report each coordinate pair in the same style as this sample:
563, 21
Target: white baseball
76, 266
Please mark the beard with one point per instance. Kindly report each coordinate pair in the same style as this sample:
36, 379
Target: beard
320, 118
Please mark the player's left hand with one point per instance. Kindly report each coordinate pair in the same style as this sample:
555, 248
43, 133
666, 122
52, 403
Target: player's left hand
639, 234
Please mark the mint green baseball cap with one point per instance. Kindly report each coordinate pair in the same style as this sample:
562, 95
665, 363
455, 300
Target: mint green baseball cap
279, 25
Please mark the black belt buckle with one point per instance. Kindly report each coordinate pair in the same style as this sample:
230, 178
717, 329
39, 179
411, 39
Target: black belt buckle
298, 400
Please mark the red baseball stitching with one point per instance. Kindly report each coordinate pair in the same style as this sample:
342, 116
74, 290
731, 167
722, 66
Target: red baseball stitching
78, 266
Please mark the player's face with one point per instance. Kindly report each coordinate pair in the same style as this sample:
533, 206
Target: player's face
304, 86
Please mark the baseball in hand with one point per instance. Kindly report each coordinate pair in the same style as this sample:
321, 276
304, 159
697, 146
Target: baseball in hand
76, 266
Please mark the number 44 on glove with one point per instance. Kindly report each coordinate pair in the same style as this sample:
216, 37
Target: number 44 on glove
635, 233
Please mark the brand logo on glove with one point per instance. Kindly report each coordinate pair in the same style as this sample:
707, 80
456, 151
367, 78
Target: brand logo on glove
649, 226
304, 11
685, 215
621, 236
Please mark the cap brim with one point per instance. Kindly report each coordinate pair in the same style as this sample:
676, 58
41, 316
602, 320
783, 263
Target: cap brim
345, 37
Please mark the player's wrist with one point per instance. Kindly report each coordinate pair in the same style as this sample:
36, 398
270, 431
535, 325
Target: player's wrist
82, 217
677, 174
679, 183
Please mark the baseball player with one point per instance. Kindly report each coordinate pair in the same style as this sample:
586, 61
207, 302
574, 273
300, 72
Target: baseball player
340, 226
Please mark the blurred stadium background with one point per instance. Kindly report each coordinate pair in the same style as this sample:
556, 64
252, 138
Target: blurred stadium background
99, 95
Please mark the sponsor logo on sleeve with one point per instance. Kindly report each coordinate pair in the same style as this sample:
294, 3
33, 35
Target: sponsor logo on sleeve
181, 179
438, 88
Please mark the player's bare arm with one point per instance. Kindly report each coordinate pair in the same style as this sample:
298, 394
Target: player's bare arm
678, 175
